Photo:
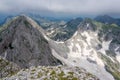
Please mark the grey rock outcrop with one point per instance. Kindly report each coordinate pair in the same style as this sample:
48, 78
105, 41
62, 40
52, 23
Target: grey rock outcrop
22, 43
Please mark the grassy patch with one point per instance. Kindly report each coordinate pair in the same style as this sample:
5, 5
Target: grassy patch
53, 73
39, 75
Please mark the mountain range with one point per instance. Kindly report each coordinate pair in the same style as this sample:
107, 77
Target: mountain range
89, 48
107, 19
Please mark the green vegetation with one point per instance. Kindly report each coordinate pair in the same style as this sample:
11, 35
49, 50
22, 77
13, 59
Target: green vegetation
7, 68
39, 75
110, 53
71, 73
3, 64
32, 77
115, 73
0, 39
33, 70
53, 73
61, 74
74, 78
111, 66
26, 23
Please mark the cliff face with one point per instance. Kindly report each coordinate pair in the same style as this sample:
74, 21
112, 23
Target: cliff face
22, 43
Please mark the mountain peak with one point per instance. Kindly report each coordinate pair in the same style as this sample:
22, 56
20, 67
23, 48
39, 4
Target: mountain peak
23, 43
106, 16
105, 19
87, 24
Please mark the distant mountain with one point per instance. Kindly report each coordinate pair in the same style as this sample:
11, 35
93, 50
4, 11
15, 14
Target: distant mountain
5, 18
107, 20
37, 16
2, 19
46, 22
65, 31
72, 26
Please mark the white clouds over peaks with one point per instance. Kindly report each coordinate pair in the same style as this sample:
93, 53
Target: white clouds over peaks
62, 6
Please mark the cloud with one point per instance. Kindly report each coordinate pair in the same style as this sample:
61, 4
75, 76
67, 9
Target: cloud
89, 7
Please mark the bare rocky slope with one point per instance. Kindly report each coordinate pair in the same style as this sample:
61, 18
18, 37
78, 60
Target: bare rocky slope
94, 47
22, 43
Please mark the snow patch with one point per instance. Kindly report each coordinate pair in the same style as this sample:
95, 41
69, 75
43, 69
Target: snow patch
5, 55
117, 48
79, 48
59, 42
75, 34
88, 24
85, 34
111, 59
118, 57
46, 37
117, 54
72, 53
78, 39
105, 46
49, 33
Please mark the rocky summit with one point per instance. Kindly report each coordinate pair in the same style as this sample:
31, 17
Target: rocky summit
22, 43
92, 53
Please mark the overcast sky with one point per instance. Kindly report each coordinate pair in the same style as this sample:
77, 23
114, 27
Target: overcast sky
62, 7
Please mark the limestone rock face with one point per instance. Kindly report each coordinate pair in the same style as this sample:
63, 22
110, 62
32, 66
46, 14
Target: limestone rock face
95, 47
22, 43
